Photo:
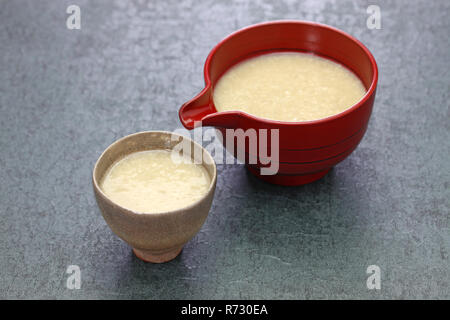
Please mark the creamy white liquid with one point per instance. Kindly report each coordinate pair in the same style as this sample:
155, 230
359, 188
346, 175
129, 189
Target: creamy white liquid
288, 86
151, 182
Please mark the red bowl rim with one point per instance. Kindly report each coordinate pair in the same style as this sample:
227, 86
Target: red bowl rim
367, 95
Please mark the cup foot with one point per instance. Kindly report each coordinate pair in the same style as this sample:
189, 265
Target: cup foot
289, 180
157, 256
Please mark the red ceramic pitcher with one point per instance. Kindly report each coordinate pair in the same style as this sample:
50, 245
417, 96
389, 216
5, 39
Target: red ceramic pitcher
308, 149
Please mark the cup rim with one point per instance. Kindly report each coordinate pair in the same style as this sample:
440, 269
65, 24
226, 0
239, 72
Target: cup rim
369, 93
99, 190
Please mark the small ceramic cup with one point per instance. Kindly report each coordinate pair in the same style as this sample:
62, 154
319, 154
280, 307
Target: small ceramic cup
160, 236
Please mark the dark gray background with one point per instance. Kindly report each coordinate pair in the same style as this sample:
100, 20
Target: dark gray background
65, 95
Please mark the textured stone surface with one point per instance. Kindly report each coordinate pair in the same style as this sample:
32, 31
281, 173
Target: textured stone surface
65, 95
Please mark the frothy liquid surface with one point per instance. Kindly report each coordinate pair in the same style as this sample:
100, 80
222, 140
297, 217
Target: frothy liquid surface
288, 86
151, 181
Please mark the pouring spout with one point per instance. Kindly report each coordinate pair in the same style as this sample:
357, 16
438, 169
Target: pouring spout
200, 112
192, 112
191, 117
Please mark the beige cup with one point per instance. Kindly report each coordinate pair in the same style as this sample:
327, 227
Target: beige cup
154, 237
